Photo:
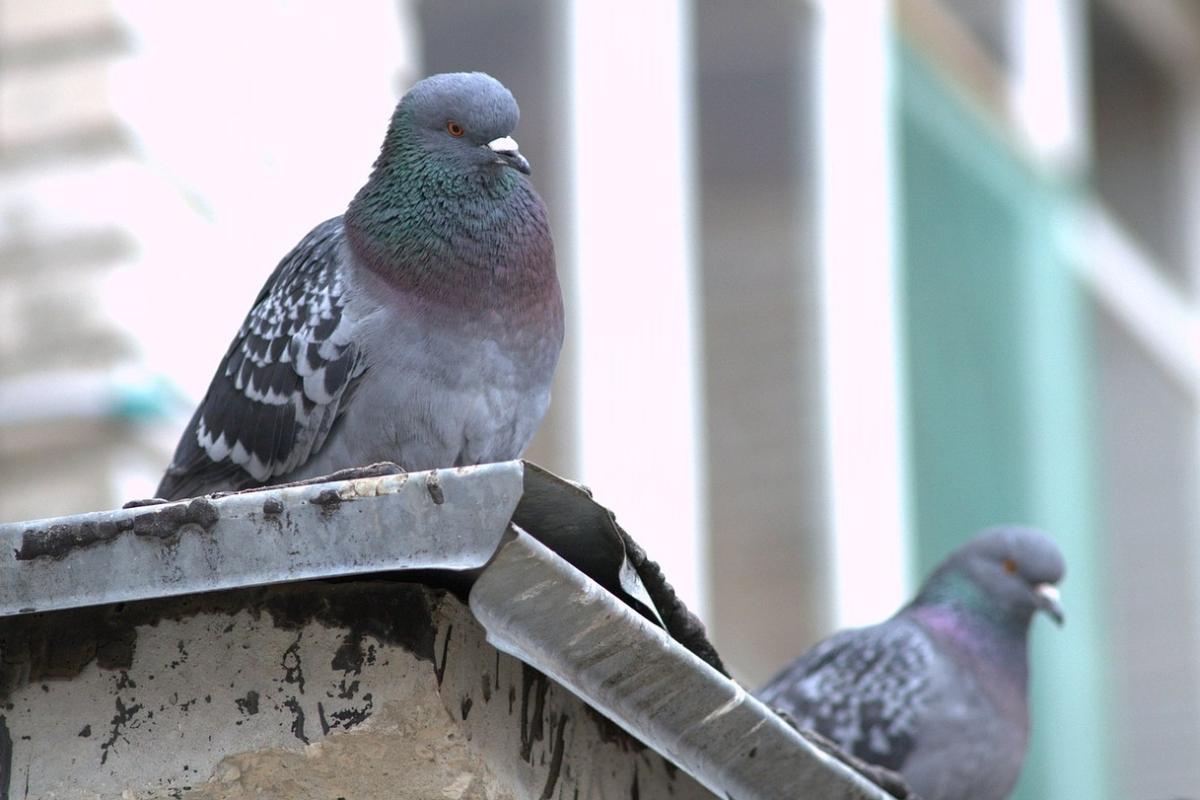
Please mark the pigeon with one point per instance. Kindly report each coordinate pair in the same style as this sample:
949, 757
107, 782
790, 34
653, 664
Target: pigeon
422, 327
938, 692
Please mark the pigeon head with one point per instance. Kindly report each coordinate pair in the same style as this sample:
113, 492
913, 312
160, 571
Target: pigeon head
448, 202
461, 122
1004, 573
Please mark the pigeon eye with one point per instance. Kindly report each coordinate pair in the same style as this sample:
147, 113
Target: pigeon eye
454, 129
1010, 566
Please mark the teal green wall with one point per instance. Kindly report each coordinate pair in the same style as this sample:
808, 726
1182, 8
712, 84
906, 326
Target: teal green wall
997, 366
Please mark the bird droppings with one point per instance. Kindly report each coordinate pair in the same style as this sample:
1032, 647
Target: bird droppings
433, 485
329, 500
164, 522
171, 519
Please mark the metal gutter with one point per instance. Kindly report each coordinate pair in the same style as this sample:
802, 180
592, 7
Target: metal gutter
540, 609
602, 642
444, 519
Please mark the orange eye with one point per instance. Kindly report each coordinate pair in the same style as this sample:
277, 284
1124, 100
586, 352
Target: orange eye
454, 129
1010, 566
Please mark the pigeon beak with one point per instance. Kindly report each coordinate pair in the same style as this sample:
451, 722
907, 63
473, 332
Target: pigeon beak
1047, 599
508, 154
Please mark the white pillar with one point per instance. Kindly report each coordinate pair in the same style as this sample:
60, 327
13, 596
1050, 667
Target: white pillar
634, 312
863, 397
1048, 91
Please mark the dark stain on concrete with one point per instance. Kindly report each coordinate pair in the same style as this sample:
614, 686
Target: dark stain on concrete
293, 670
347, 691
59, 644
248, 705
6, 754
349, 717
534, 686
439, 670
556, 760
85, 732
321, 718
465, 707
293, 705
124, 717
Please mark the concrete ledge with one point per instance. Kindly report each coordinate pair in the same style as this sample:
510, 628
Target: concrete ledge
326, 689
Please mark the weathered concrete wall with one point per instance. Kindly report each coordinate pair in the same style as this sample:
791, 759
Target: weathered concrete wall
351, 689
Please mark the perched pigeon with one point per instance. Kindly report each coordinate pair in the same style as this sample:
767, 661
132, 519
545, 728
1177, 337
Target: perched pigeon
422, 327
938, 692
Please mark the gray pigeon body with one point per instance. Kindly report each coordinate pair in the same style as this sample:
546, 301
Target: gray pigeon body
939, 692
423, 327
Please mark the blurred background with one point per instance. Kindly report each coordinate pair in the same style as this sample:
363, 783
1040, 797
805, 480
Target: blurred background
845, 282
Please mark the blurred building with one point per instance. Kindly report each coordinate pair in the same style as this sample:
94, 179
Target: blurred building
846, 282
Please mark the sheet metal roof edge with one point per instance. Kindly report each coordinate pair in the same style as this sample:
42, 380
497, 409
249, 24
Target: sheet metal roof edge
540, 609
444, 519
